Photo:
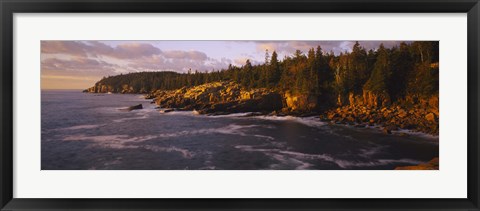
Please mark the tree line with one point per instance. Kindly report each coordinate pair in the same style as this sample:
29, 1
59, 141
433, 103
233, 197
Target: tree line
409, 69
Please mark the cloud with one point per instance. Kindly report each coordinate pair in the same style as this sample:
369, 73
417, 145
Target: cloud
125, 57
178, 63
133, 50
63, 47
148, 63
190, 55
78, 65
98, 49
289, 47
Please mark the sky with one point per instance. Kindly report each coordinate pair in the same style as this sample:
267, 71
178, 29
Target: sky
79, 64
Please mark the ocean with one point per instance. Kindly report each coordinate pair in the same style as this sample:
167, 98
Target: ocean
85, 131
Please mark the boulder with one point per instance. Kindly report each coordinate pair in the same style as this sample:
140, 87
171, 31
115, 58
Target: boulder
300, 102
430, 117
135, 107
167, 110
402, 113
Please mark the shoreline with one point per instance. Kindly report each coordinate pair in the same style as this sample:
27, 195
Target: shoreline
223, 98
390, 119
314, 117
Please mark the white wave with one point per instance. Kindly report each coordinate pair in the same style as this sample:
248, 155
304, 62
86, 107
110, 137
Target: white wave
308, 121
185, 153
418, 134
277, 153
232, 129
107, 109
396, 132
109, 138
130, 118
79, 127
232, 115
108, 141
197, 114
346, 164
371, 151
140, 114
183, 113
265, 137
116, 161
284, 160
126, 142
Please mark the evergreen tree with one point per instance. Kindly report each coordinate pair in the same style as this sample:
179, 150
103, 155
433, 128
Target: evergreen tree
401, 66
275, 68
381, 73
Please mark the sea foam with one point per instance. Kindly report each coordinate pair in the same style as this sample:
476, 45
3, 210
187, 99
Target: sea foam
286, 156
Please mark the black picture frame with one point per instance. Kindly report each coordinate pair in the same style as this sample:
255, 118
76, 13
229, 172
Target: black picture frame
9, 7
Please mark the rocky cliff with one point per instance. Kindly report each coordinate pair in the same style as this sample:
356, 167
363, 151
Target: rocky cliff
225, 97
412, 112
220, 97
420, 116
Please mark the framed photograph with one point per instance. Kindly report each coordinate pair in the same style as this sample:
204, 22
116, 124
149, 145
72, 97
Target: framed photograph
260, 105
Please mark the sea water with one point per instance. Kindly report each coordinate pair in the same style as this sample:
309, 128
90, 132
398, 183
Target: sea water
86, 131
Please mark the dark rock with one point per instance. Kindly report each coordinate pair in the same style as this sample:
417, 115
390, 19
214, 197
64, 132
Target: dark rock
167, 110
135, 107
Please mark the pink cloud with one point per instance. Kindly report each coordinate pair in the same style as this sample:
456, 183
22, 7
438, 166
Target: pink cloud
95, 49
63, 47
78, 64
193, 55
133, 50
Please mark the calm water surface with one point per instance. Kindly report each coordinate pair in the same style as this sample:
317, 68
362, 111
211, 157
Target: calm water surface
88, 131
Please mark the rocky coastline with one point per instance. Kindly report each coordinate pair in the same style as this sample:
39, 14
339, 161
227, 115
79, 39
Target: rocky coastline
226, 97
219, 98
389, 118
